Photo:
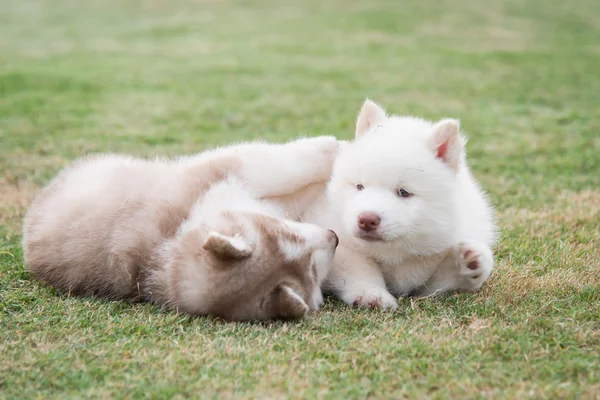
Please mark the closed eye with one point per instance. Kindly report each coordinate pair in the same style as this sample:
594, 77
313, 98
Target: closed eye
403, 193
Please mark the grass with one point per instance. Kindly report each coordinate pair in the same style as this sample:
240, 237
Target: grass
176, 77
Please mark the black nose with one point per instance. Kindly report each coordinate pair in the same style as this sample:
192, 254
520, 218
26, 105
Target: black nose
334, 237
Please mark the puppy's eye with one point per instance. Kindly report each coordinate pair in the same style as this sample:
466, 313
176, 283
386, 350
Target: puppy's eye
404, 193
359, 187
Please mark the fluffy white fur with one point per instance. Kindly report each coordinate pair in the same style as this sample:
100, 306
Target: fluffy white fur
436, 239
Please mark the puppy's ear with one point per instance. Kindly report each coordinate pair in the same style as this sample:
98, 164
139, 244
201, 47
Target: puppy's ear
370, 115
447, 143
287, 303
227, 247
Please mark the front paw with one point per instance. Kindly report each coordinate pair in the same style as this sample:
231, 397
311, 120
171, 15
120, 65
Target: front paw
373, 297
476, 262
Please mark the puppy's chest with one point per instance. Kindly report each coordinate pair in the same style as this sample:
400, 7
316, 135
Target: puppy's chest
401, 278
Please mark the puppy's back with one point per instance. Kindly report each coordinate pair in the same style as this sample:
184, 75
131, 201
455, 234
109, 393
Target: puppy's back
87, 232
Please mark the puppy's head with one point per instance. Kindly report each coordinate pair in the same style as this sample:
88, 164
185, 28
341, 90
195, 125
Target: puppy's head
257, 267
395, 183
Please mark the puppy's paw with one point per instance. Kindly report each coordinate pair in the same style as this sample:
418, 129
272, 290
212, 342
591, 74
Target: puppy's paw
318, 154
476, 262
373, 297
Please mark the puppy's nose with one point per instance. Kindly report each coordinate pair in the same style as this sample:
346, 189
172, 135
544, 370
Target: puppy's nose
333, 237
368, 221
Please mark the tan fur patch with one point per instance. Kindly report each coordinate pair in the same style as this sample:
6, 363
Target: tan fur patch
108, 226
272, 227
175, 278
202, 176
269, 267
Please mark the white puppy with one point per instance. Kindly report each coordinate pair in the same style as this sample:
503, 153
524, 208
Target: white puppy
410, 217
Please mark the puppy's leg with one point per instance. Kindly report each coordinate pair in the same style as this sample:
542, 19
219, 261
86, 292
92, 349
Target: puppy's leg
271, 170
469, 266
356, 280
295, 205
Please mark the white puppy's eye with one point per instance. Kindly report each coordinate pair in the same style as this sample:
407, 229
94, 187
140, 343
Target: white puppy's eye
359, 187
404, 193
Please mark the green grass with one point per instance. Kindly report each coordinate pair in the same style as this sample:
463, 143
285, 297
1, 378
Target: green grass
176, 77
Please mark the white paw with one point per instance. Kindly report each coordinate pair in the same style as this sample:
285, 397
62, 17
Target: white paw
319, 153
476, 262
374, 297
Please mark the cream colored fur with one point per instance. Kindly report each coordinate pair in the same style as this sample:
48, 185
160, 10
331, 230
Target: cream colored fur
198, 233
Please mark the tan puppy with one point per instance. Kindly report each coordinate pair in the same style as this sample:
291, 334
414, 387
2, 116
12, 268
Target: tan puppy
196, 234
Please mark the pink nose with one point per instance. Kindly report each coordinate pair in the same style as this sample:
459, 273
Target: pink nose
368, 221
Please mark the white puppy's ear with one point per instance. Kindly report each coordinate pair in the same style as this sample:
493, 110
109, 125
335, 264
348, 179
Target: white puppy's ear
227, 247
370, 115
447, 143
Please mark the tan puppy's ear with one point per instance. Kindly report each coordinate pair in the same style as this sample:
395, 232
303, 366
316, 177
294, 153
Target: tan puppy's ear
447, 143
371, 114
227, 247
287, 303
